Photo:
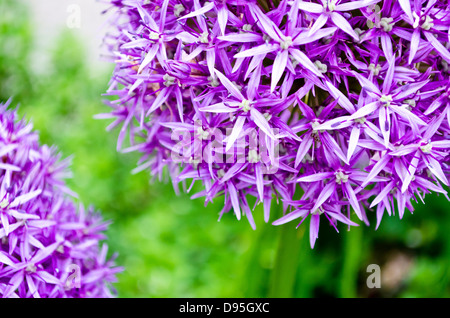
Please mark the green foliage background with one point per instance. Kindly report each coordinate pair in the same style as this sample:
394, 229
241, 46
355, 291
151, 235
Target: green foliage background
172, 246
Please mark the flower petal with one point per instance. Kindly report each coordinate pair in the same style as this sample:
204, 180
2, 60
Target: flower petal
343, 24
303, 149
315, 177
261, 49
414, 46
261, 122
208, 7
340, 97
324, 195
353, 141
353, 5
438, 46
234, 200
291, 216
310, 7
279, 65
232, 89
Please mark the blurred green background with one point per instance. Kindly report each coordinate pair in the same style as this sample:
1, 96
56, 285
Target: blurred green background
172, 246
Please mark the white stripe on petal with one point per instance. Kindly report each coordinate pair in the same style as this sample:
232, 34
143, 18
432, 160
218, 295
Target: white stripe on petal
279, 65
310, 7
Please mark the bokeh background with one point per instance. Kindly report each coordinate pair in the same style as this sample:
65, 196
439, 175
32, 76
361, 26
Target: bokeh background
172, 246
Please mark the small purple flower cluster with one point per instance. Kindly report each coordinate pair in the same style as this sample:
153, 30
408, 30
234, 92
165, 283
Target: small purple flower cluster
48, 247
354, 94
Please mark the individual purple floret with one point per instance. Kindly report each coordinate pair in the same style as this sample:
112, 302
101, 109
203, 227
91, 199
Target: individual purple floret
330, 107
49, 247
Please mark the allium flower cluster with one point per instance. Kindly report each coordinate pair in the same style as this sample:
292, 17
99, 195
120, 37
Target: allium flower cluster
349, 101
48, 247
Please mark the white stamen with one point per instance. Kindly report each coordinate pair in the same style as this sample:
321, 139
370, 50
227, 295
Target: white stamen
331, 4
245, 105
203, 38
427, 148
387, 24
153, 36
428, 24
409, 103
178, 8
203, 134
359, 32
213, 81
286, 43
361, 120
341, 177
168, 80
323, 68
315, 124
386, 100
31, 268
4, 203
247, 27
253, 156
375, 69
319, 211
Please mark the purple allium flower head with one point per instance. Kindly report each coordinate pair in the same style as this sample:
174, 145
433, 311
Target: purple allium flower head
348, 101
49, 247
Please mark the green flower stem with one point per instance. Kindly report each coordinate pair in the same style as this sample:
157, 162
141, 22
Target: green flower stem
286, 263
348, 285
